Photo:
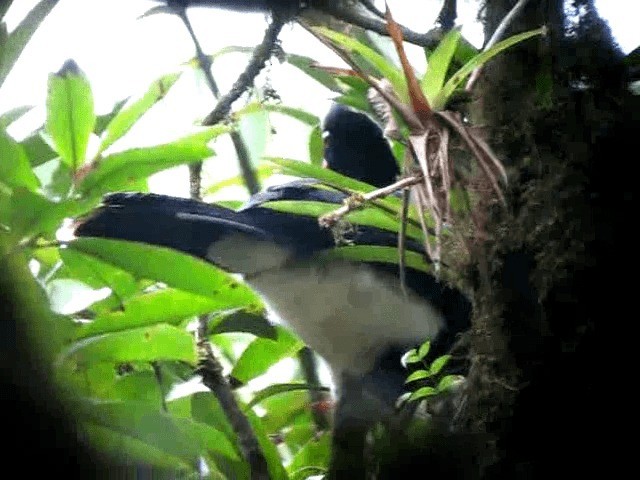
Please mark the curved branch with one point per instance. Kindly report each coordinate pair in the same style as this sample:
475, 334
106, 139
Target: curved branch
260, 56
350, 15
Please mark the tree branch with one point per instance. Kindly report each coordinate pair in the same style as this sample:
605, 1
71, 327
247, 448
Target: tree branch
348, 14
211, 371
195, 169
358, 201
261, 54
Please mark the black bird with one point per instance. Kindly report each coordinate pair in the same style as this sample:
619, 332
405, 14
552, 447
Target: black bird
356, 147
353, 314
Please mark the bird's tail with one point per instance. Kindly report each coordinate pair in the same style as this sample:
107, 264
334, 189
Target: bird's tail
182, 224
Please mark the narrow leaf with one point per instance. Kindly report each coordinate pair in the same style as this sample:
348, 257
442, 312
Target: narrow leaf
279, 388
371, 216
295, 113
480, 60
418, 101
162, 306
384, 66
438, 65
176, 269
378, 254
309, 67
130, 114
15, 170
157, 342
21, 35
10, 116
316, 146
37, 149
119, 170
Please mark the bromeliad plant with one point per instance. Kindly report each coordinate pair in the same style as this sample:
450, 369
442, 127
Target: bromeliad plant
420, 104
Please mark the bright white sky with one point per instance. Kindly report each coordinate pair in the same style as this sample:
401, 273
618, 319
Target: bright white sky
121, 55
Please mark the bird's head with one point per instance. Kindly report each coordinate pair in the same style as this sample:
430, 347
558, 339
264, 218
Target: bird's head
356, 147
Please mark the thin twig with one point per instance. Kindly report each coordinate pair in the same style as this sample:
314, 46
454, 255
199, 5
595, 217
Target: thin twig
497, 35
330, 219
309, 366
368, 4
261, 54
448, 14
345, 12
195, 172
211, 371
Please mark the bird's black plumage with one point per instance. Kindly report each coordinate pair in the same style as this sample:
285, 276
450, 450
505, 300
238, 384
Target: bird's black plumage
357, 148
354, 314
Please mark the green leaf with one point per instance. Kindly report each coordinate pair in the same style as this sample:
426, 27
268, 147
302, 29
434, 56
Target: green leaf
263, 353
271, 454
335, 180
21, 35
178, 438
99, 274
243, 321
119, 170
205, 408
295, 113
32, 214
411, 357
131, 113
439, 62
4, 7
316, 146
479, 60
157, 342
279, 388
282, 409
10, 116
176, 269
438, 364
447, 382
417, 375
103, 120
37, 149
379, 254
312, 458
254, 130
370, 216
384, 66
309, 67
128, 448
56, 179
423, 351
422, 393
162, 306
15, 170
70, 114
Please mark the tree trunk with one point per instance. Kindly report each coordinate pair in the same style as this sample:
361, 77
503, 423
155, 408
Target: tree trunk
560, 111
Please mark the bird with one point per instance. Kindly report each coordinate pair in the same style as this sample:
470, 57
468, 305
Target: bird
355, 146
355, 315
